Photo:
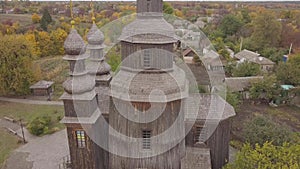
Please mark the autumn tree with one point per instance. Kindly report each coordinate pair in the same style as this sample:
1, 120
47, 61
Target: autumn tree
35, 18
268, 156
45, 43
58, 37
16, 69
30, 37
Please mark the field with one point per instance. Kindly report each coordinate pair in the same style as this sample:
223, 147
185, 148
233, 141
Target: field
28, 112
23, 19
288, 116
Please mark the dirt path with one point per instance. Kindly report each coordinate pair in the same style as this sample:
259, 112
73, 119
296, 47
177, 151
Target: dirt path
44, 152
28, 101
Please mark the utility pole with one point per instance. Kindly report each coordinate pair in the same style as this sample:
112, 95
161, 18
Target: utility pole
21, 124
290, 51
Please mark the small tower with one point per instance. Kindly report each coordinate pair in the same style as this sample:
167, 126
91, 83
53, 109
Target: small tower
98, 67
80, 104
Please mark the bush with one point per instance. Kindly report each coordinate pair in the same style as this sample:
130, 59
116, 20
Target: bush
268, 156
39, 125
260, 129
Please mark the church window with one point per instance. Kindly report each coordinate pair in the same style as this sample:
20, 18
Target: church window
146, 139
199, 134
81, 140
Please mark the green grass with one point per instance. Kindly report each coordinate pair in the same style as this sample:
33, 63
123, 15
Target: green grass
8, 143
28, 112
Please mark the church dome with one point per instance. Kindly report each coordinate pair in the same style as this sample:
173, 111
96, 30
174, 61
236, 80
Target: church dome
96, 38
74, 44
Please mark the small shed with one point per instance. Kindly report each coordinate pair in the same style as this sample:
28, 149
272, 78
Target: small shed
241, 84
42, 88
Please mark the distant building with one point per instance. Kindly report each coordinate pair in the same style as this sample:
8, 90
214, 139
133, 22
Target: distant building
241, 84
42, 88
246, 55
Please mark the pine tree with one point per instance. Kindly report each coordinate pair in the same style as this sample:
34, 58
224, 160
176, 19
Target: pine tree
45, 20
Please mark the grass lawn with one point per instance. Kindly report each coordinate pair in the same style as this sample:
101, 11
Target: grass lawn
28, 112
8, 143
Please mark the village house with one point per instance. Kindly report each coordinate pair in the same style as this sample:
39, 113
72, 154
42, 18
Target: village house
253, 57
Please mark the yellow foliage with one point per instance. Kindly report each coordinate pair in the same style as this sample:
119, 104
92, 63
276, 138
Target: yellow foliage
35, 18
178, 13
116, 15
45, 43
58, 37
30, 37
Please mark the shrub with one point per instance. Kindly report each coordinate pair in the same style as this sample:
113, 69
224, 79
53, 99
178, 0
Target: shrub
39, 125
268, 156
260, 129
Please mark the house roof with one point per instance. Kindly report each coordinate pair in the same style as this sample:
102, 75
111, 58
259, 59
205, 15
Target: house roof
43, 84
196, 158
238, 84
212, 58
246, 54
187, 51
262, 61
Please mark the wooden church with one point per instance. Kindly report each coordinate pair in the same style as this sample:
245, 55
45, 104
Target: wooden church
144, 117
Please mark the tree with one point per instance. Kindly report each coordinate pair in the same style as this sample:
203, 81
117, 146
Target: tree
45, 20
16, 73
114, 58
267, 88
30, 37
289, 72
246, 69
58, 37
45, 43
178, 13
167, 8
35, 18
267, 156
267, 30
233, 98
230, 24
